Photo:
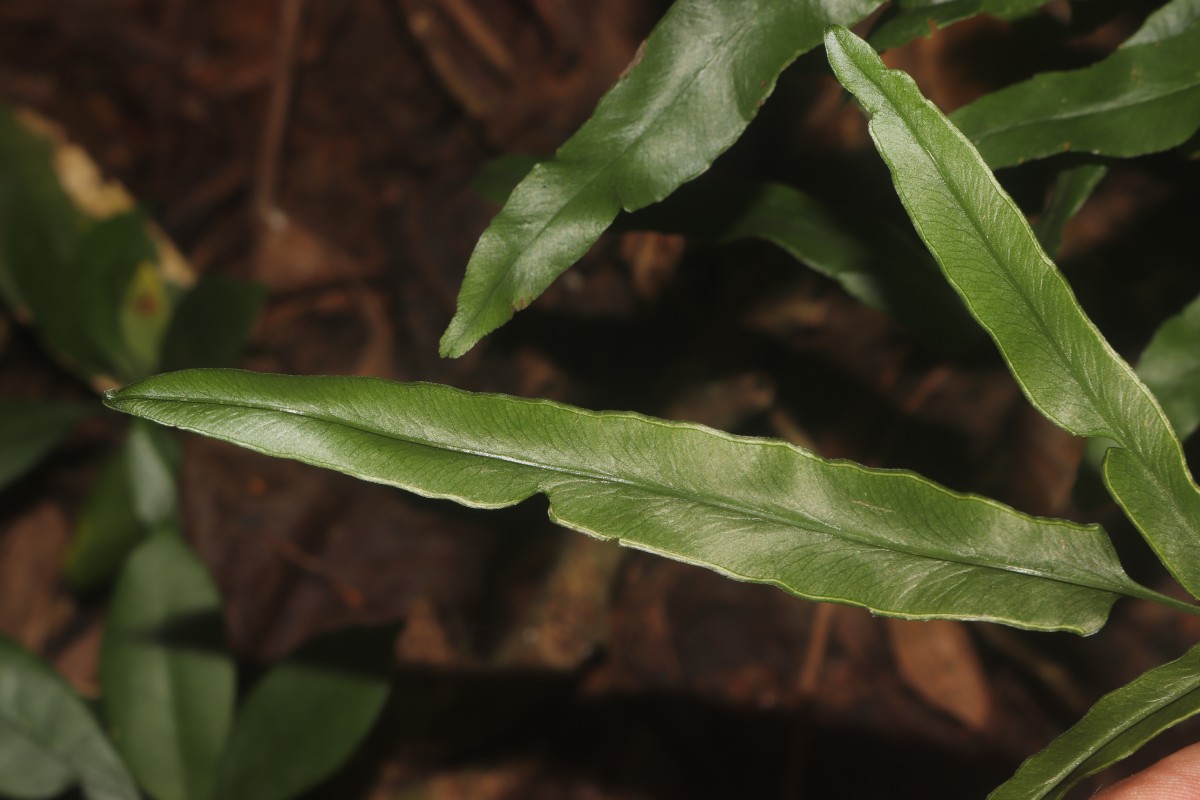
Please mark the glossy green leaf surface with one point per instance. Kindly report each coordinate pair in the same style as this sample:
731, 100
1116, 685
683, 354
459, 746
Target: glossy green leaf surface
1072, 188
1119, 724
914, 18
697, 82
307, 716
168, 683
1058, 357
753, 509
211, 323
30, 430
1171, 20
133, 498
870, 258
1143, 98
48, 739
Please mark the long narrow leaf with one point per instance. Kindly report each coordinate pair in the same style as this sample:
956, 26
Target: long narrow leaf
696, 84
48, 739
988, 252
1119, 724
1143, 98
914, 18
757, 510
168, 683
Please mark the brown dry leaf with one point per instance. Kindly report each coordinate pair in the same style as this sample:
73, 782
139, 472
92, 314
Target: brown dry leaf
32, 606
938, 661
569, 621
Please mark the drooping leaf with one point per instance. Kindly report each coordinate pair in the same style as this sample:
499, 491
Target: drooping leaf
211, 323
1072, 188
30, 430
757, 510
1143, 98
1058, 357
868, 257
914, 18
168, 683
133, 498
307, 716
48, 739
697, 82
1119, 724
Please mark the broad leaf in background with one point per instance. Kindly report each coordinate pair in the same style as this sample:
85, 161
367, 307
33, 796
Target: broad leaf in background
1143, 98
870, 258
989, 253
133, 498
48, 739
1072, 188
211, 324
114, 256
909, 19
1119, 724
37, 218
168, 683
307, 715
1170, 366
752, 509
29, 430
696, 84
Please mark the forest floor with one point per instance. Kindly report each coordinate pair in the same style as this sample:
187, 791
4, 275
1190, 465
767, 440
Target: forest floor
533, 662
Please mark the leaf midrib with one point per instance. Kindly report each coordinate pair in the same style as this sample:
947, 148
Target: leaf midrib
1118, 430
1079, 113
821, 528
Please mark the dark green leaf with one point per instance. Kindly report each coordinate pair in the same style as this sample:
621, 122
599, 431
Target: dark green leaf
1141, 99
1072, 188
989, 253
38, 221
500, 176
868, 257
1170, 366
753, 509
168, 684
914, 18
133, 498
307, 716
211, 324
48, 739
1119, 724
109, 256
694, 87
29, 430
